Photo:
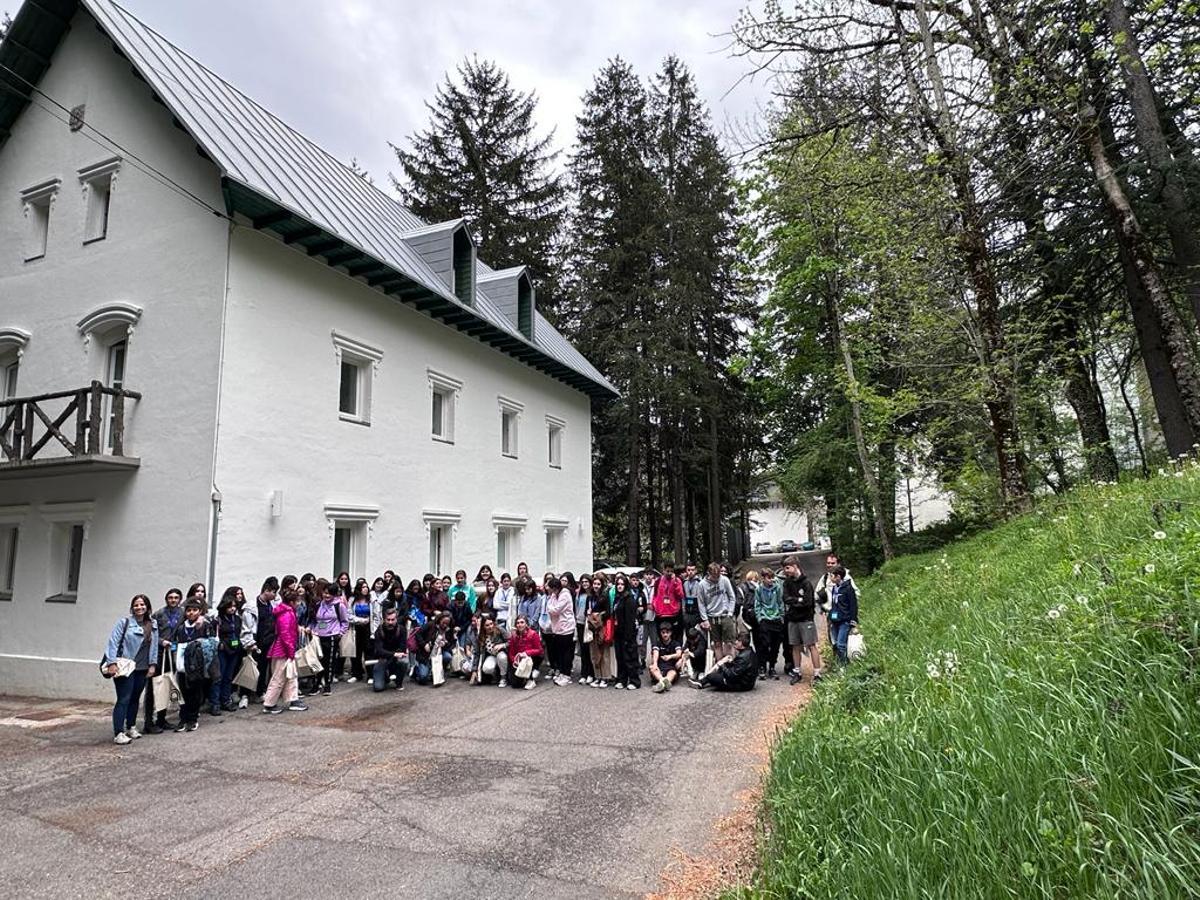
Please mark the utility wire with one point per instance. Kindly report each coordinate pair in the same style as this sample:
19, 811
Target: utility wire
110, 144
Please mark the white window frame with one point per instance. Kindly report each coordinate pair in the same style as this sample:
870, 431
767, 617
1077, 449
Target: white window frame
98, 182
12, 521
555, 542
10, 371
37, 203
64, 519
441, 524
111, 380
448, 387
359, 520
510, 427
365, 359
510, 527
555, 431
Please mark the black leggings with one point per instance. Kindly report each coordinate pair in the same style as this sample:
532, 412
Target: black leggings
772, 640
586, 669
627, 661
329, 649
561, 652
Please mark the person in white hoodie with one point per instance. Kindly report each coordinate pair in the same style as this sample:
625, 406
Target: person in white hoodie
505, 604
824, 591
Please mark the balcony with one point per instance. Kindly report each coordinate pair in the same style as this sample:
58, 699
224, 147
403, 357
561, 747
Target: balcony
66, 432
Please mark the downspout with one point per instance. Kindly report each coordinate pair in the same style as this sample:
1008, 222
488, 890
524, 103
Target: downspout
215, 517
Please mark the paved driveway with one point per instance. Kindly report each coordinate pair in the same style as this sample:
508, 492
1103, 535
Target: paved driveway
458, 792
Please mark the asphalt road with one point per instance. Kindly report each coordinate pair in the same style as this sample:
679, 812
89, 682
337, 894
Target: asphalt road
458, 792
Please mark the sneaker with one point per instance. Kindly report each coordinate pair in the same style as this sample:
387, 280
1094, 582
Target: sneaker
660, 687
181, 727
586, 680
154, 729
335, 679
400, 687
327, 692
601, 683
271, 710
214, 710
122, 738
503, 682
632, 687
620, 685
312, 692
795, 679
244, 702
694, 683
133, 732
817, 676
774, 675
296, 706
229, 706
667, 682
351, 680
530, 685
192, 726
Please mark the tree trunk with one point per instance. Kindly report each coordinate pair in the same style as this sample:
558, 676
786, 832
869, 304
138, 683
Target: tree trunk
633, 493
887, 485
653, 461
1167, 181
678, 505
1136, 246
1091, 416
715, 535
860, 441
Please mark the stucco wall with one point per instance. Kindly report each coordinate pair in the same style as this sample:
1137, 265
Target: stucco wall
162, 253
280, 430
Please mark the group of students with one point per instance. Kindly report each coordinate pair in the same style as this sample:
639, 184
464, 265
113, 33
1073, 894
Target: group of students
507, 631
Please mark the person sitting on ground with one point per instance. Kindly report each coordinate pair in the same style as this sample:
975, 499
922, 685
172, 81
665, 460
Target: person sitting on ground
695, 653
665, 658
432, 637
736, 673
525, 643
490, 659
391, 651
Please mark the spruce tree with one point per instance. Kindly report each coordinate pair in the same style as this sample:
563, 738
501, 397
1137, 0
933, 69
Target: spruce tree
481, 159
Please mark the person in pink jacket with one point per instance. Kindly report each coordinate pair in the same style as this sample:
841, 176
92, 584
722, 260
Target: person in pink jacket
282, 655
667, 601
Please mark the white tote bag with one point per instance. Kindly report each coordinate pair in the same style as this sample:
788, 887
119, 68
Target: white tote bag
167, 695
856, 646
437, 666
247, 674
524, 667
348, 644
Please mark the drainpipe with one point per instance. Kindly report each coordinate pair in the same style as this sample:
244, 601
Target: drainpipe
212, 542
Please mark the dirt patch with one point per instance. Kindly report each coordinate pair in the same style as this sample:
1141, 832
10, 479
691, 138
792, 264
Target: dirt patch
725, 861
368, 719
82, 820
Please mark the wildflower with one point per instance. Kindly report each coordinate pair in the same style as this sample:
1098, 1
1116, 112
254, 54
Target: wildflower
866, 729
1148, 568
1053, 613
965, 604
1077, 569
1081, 600
1160, 535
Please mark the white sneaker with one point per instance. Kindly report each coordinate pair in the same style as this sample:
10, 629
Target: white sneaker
620, 685
530, 685
587, 680
244, 702
601, 683
133, 732
631, 687
122, 738
660, 687
503, 683
351, 680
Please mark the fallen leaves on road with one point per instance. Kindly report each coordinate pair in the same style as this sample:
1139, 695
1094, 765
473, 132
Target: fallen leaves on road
726, 860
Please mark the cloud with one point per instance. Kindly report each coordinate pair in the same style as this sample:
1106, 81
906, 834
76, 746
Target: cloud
356, 74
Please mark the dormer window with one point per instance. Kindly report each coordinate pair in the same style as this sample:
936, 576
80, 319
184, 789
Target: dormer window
464, 267
525, 306
37, 201
97, 181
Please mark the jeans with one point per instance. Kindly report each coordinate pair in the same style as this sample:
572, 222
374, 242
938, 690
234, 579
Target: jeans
129, 692
840, 634
422, 672
385, 667
230, 660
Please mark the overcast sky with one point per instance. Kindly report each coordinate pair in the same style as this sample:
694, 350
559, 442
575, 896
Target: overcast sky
354, 74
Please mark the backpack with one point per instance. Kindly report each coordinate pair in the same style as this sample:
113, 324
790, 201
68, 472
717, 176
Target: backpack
194, 668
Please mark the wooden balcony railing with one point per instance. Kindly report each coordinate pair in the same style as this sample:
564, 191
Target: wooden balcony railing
86, 422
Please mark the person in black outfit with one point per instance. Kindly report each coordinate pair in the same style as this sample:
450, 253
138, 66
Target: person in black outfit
625, 612
734, 673
169, 618
391, 651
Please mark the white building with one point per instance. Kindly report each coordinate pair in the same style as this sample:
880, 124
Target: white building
264, 364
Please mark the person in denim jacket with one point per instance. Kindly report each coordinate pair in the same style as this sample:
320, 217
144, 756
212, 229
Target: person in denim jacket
135, 638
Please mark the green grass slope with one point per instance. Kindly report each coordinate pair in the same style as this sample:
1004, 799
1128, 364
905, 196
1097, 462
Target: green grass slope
1026, 722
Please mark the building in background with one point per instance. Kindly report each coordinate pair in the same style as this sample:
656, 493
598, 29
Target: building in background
225, 355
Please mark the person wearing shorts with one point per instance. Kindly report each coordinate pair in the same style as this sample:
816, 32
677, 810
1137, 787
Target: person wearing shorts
717, 603
665, 659
799, 610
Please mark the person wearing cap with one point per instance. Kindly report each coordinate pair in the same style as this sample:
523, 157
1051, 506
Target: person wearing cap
735, 673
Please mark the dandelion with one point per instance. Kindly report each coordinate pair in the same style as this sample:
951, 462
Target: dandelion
1053, 613
1160, 535
1077, 569
866, 729
1148, 568
965, 604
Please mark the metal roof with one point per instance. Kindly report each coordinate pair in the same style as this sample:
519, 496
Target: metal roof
286, 182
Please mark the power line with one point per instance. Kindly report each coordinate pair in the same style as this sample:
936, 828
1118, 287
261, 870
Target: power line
111, 144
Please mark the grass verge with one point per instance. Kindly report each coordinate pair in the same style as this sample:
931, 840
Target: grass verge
1026, 722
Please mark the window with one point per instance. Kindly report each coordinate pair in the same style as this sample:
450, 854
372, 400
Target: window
508, 539
343, 549
37, 201
351, 525
357, 363
443, 390
114, 377
555, 539
554, 440
9, 535
69, 523
510, 416
440, 543
8, 379
97, 181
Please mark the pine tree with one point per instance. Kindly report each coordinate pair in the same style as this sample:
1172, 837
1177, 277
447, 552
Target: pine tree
481, 159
